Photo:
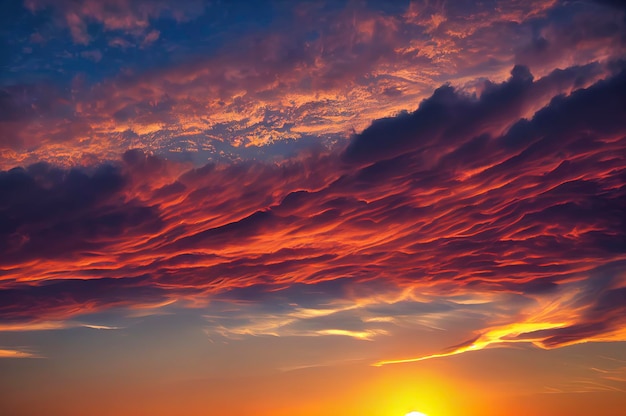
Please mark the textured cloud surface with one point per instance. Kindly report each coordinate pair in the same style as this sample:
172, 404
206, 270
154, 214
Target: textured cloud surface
317, 72
463, 202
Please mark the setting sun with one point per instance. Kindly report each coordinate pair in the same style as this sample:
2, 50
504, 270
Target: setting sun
415, 414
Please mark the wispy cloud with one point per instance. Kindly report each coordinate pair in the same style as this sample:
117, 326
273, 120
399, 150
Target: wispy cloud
12, 353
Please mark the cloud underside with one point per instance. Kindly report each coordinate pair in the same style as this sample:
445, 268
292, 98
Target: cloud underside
454, 207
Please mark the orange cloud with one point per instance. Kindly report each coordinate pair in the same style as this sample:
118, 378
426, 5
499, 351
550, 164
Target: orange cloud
460, 197
10, 353
287, 86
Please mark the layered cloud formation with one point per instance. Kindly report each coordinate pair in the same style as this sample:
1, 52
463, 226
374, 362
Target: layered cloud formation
506, 205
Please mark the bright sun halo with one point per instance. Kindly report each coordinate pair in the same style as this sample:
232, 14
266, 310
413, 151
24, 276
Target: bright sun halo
415, 414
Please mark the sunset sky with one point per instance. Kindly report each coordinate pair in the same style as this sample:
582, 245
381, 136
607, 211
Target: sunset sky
313, 208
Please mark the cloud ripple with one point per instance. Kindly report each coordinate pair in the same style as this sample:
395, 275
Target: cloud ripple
480, 197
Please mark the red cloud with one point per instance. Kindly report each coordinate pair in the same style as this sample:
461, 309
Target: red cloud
461, 195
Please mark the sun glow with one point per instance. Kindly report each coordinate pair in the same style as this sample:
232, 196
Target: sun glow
415, 414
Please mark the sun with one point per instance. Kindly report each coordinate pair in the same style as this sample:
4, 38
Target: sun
415, 414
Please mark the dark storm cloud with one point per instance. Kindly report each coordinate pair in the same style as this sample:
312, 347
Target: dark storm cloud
122, 16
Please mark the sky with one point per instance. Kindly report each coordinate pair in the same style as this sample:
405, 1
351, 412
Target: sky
313, 207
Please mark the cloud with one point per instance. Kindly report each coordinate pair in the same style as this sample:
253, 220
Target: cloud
75, 209
311, 76
577, 313
11, 353
129, 17
594, 33
466, 116
470, 200
151, 37
93, 55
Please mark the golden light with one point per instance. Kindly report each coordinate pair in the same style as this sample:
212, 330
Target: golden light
415, 414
